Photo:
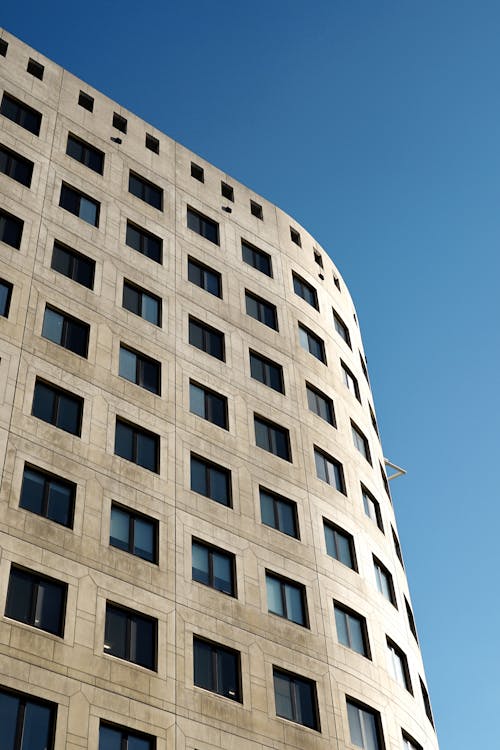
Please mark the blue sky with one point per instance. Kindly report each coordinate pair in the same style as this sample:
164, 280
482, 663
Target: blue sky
376, 124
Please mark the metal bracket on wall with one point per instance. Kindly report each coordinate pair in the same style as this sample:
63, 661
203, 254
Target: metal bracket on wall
398, 471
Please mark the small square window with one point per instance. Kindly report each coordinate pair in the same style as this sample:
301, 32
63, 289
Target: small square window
351, 629
140, 369
261, 310
286, 599
57, 407
267, 372
11, 229
134, 533
48, 496
208, 405
5, 296
211, 480
112, 737
256, 210
272, 438
365, 726
295, 236
86, 101
278, 512
66, 331
329, 470
119, 122
213, 567
131, 636
340, 544
135, 444
197, 172
295, 699
35, 69
4, 46
318, 259
217, 668
36, 600
152, 143
26, 720
227, 191
205, 277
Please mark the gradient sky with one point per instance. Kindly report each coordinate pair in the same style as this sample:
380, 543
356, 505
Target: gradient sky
376, 124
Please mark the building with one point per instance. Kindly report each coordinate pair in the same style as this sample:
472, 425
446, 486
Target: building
198, 545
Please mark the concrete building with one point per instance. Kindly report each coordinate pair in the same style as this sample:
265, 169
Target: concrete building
198, 548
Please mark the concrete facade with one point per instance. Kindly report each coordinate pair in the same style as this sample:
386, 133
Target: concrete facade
89, 687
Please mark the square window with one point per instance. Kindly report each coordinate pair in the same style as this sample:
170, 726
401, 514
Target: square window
312, 343
365, 726
145, 190
81, 205
85, 153
16, 166
142, 303
383, 579
57, 407
197, 172
350, 381
139, 369
340, 544
134, 533
206, 338
217, 668
295, 236
278, 512
286, 599
86, 101
137, 445
48, 495
35, 69
36, 600
119, 122
20, 113
256, 258
318, 259
227, 191
213, 567
75, 266
5, 296
26, 721
372, 508
4, 46
112, 737
261, 310
131, 636
66, 331
204, 277
202, 225
305, 290
329, 470
211, 480
267, 372
360, 442
351, 629
256, 210
11, 229
341, 328
208, 405
152, 143
272, 438
295, 699
320, 404
398, 665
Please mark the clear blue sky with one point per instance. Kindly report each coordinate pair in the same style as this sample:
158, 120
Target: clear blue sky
376, 124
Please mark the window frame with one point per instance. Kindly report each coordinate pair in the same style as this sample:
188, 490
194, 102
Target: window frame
134, 516
364, 709
347, 375
341, 328
197, 172
256, 258
320, 399
25, 700
293, 680
152, 251
409, 743
267, 366
203, 225
427, 701
141, 360
348, 612
227, 191
142, 188
77, 261
205, 273
35, 599
411, 619
13, 160
132, 616
88, 154
276, 500
218, 650
59, 393
372, 507
49, 480
338, 470
207, 332
86, 101
306, 335
136, 433
398, 665
295, 237
256, 210
141, 293
4, 311
212, 551
266, 312
209, 466
10, 225
275, 433
126, 734
284, 584
383, 573
361, 442
338, 531
305, 291
119, 122
70, 194
21, 114
71, 328
209, 398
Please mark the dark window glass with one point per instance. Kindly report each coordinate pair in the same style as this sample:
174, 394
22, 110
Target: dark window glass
267, 372
66, 331
206, 338
364, 367
35, 69
81, 205
140, 369
201, 224
397, 547
144, 242
286, 599
57, 407
227, 191
318, 259
256, 210
119, 122
364, 726
197, 172
306, 291
145, 190
312, 343
336, 281
137, 445
427, 702
295, 699
329, 470
398, 665
341, 328
320, 404
340, 545
261, 310
152, 143
273, 438
36, 600
385, 481
372, 507
75, 266
134, 533
204, 277
295, 237
4, 46
278, 512
217, 669
360, 442
213, 567
131, 636
256, 258
86, 101
374, 421
16, 166
411, 619
350, 381
351, 629
120, 738
11, 229
48, 496
27, 723
208, 405
383, 579
21, 114
142, 303
5, 295
83, 152
211, 480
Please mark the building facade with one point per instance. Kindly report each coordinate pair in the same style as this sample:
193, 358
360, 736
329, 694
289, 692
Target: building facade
198, 545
